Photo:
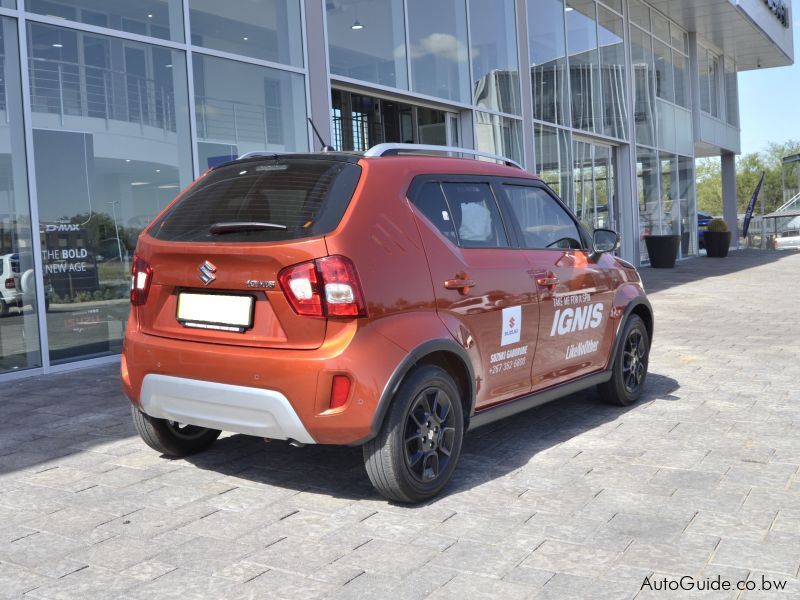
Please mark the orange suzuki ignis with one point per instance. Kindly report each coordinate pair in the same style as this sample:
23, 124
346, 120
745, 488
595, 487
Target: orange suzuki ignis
389, 300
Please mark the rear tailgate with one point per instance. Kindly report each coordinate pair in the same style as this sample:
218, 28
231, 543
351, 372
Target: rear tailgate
274, 324
216, 253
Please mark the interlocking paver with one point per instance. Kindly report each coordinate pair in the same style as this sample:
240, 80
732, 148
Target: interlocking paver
574, 499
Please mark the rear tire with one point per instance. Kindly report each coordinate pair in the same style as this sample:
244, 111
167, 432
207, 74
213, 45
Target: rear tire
417, 449
629, 373
171, 438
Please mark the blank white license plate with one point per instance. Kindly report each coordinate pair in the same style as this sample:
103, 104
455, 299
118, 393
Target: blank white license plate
215, 311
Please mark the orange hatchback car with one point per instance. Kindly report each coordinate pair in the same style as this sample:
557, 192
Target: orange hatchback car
389, 300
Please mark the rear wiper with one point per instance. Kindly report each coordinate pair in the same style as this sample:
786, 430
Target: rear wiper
243, 226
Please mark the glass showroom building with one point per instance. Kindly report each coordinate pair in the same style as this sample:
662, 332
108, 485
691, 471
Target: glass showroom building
109, 107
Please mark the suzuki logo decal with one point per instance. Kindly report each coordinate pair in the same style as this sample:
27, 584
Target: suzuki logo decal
207, 270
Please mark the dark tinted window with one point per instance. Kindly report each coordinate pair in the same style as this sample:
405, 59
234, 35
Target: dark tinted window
431, 202
543, 221
308, 196
475, 215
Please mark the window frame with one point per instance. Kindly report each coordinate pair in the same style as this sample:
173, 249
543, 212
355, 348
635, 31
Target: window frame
500, 202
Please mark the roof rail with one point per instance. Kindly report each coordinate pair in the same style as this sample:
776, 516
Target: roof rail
396, 149
259, 153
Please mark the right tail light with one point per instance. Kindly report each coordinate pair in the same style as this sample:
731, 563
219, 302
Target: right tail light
325, 287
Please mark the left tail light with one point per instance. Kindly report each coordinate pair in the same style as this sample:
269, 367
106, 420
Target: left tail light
141, 278
10, 283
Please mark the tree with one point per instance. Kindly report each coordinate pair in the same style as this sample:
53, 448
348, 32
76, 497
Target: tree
709, 185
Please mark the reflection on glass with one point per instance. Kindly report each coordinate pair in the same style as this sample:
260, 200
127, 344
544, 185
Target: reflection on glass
548, 57
731, 93
241, 108
499, 135
647, 190
639, 14
495, 68
367, 41
594, 181
613, 75
111, 145
703, 70
644, 101
439, 52
660, 26
266, 29
688, 206
670, 206
714, 83
8, 3
19, 329
683, 92
554, 160
583, 64
156, 18
664, 71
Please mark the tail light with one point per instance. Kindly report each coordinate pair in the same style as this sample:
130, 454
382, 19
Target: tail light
326, 287
10, 284
141, 277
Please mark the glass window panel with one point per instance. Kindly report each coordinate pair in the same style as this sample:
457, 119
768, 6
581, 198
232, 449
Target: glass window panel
499, 135
680, 40
714, 83
613, 75
682, 85
639, 14
495, 68
367, 41
644, 100
548, 51
665, 86
431, 202
8, 3
647, 190
705, 80
475, 214
583, 64
111, 143
688, 206
266, 29
670, 206
19, 329
439, 54
615, 4
731, 93
157, 18
666, 125
554, 160
660, 27
241, 108
543, 222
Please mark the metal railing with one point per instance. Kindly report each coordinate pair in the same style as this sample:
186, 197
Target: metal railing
238, 122
73, 89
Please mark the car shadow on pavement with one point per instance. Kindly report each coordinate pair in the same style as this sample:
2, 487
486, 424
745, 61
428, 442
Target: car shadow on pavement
488, 453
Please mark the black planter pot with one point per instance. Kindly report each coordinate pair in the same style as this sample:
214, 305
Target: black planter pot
662, 250
717, 243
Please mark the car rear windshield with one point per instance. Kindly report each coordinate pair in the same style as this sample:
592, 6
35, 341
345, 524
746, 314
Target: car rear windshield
262, 200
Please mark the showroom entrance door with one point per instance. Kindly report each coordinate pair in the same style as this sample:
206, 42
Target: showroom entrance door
594, 180
360, 121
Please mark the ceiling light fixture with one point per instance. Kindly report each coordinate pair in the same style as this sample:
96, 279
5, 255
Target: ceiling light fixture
58, 45
356, 26
137, 183
149, 16
245, 38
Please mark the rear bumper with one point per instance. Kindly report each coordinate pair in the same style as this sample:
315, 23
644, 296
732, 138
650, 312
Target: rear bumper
268, 392
252, 411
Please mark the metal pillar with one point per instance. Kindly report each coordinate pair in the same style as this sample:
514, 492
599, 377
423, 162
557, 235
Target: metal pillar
730, 201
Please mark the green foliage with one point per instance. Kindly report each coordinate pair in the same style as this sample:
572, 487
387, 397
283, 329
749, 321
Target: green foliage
748, 171
719, 225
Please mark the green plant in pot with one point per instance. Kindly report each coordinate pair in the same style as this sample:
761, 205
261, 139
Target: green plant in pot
717, 238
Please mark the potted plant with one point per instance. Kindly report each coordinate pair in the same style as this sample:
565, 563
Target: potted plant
662, 250
717, 238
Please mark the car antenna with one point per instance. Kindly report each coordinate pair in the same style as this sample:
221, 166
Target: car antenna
325, 147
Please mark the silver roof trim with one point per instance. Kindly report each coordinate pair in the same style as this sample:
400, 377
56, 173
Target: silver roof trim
394, 149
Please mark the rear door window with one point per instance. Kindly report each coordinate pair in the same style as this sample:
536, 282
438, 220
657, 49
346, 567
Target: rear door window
262, 200
475, 216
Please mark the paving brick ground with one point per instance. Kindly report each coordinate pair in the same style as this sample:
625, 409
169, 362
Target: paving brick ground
571, 500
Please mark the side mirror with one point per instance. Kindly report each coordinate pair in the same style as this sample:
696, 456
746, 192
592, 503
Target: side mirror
603, 241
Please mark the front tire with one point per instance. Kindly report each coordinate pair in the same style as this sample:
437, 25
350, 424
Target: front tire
171, 438
417, 449
629, 373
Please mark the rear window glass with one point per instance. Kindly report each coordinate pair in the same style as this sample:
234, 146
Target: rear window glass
300, 197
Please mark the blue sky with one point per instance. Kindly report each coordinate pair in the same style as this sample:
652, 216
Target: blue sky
768, 100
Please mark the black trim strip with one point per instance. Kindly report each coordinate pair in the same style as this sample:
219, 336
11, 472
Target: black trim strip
512, 407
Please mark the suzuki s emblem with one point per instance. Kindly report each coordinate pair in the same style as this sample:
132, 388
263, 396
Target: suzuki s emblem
207, 270
511, 323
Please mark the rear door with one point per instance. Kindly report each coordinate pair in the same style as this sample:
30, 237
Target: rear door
216, 254
575, 293
480, 282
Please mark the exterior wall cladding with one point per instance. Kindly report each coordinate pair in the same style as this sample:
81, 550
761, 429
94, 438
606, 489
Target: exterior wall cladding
108, 108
